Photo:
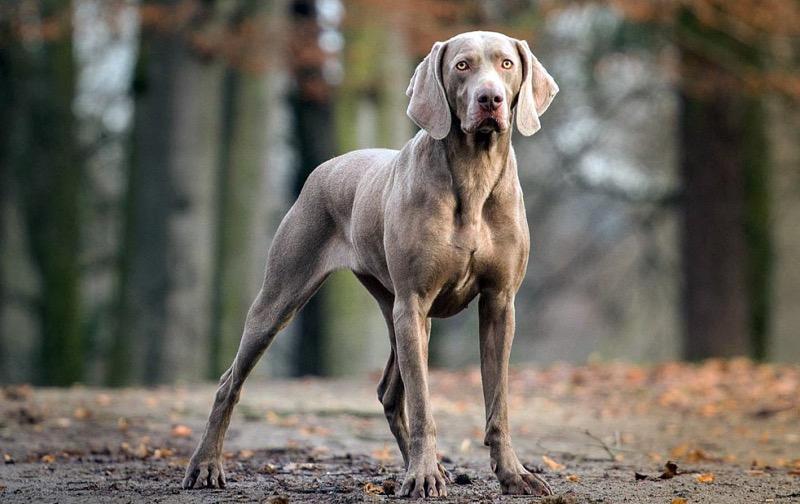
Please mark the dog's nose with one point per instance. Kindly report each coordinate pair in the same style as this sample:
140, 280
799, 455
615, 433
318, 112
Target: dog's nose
490, 99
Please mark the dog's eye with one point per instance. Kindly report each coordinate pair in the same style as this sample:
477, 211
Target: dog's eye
462, 65
507, 63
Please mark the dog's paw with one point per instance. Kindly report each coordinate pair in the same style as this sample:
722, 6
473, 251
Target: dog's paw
524, 483
425, 480
204, 474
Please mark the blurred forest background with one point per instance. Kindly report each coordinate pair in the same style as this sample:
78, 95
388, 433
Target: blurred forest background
148, 150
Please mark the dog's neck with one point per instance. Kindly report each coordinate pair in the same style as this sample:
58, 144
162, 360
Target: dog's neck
476, 163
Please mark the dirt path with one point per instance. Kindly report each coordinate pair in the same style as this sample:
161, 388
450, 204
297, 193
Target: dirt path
733, 429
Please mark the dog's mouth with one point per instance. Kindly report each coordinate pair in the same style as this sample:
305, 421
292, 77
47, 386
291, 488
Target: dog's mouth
488, 125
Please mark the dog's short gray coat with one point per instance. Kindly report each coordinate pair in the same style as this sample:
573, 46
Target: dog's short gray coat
426, 229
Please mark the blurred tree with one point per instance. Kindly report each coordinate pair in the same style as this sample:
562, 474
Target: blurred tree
40, 153
723, 157
168, 250
312, 111
6, 107
254, 54
724, 75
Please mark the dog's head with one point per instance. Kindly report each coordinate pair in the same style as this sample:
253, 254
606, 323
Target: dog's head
479, 77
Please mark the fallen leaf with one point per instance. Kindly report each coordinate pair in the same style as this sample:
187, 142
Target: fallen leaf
7, 458
63, 422
314, 430
162, 453
383, 454
698, 455
140, 451
705, 478
552, 464
48, 459
103, 399
678, 500
82, 413
373, 489
389, 486
794, 472
640, 476
268, 469
246, 454
181, 431
573, 478
670, 470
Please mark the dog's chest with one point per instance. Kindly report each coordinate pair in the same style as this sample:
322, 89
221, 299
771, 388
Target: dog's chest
465, 264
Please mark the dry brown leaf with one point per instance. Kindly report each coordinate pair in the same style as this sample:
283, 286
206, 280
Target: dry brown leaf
679, 451
670, 470
82, 413
373, 489
63, 422
246, 454
162, 453
48, 459
274, 418
552, 464
103, 399
7, 458
181, 431
573, 478
697, 455
383, 454
705, 478
678, 500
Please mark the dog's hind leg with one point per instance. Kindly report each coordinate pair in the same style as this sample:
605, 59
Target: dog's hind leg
305, 250
391, 392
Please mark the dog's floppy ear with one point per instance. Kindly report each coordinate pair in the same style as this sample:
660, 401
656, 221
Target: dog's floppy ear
428, 107
537, 91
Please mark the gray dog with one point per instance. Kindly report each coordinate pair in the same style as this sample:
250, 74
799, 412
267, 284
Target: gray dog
425, 229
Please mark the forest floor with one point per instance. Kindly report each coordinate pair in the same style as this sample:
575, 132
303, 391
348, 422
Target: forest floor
597, 433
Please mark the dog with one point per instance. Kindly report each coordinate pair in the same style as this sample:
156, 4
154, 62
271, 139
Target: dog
425, 229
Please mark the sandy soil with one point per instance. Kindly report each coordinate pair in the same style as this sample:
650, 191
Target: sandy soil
732, 428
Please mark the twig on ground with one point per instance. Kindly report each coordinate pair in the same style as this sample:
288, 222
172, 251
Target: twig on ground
612, 456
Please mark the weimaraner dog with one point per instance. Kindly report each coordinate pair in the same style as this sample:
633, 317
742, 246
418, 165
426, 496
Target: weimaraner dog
425, 229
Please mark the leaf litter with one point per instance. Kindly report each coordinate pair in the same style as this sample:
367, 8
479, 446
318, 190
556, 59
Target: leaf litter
313, 441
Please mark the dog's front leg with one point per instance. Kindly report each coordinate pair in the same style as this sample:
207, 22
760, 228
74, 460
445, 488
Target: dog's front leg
423, 477
496, 335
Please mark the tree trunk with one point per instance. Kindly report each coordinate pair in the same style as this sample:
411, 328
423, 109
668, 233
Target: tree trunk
714, 244
315, 133
243, 195
168, 250
46, 168
725, 215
